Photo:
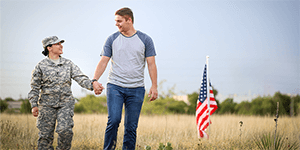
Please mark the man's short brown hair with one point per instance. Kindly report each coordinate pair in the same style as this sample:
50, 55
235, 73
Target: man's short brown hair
125, 12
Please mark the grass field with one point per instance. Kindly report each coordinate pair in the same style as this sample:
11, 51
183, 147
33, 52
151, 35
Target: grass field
19, 131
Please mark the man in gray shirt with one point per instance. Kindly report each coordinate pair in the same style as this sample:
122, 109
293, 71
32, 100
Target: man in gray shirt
128, 50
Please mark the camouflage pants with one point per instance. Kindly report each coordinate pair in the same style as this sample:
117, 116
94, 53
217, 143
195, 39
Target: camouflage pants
48, 116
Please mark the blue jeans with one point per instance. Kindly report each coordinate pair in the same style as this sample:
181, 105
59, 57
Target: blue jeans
133, 99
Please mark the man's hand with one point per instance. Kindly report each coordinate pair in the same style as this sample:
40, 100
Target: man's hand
153, 93
35, 111
98, 88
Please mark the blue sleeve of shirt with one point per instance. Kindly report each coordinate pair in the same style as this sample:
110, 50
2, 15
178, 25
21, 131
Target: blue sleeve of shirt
149, 46
107, 48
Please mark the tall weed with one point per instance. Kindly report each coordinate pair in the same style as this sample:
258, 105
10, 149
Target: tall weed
266, 141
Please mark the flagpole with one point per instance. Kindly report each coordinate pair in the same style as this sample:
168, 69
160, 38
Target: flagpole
208, 91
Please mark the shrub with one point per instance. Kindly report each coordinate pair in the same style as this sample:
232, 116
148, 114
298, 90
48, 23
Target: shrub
9, 99
79, 108
3, 105
168, 146
92, 104
266, 141
164, 106
227, 106
25, 106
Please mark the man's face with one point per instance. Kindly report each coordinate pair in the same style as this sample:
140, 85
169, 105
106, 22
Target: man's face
56, 49
123, 24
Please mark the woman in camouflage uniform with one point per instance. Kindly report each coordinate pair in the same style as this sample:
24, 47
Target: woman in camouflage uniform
51, 96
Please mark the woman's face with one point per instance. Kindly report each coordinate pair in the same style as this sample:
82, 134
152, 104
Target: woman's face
56, 49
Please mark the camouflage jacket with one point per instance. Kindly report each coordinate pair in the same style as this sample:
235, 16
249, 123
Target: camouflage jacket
51, 83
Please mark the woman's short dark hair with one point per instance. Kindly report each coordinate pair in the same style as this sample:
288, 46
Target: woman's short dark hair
46, 52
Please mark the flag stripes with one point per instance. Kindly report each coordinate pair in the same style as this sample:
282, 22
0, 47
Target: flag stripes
202, 111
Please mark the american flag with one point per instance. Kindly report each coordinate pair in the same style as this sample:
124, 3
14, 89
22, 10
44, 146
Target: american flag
202, 111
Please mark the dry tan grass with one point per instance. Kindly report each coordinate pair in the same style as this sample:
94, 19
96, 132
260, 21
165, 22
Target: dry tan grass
180, 130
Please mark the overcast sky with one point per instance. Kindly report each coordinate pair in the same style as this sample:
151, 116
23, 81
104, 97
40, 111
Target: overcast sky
253, 45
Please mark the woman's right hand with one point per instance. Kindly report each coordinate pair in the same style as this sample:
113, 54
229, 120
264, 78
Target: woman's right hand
35, 111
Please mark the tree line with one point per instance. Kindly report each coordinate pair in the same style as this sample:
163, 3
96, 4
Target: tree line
25, 106
267, 105
260, 106
165, 104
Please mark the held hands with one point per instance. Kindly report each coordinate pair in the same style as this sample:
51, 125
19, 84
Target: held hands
153, 93
35, 111
98, 88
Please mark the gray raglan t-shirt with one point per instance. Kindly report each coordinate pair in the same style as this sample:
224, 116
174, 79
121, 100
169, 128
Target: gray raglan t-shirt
128, 57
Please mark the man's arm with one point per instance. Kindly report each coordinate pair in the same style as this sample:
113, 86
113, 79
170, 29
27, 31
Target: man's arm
98, 73
153, 75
